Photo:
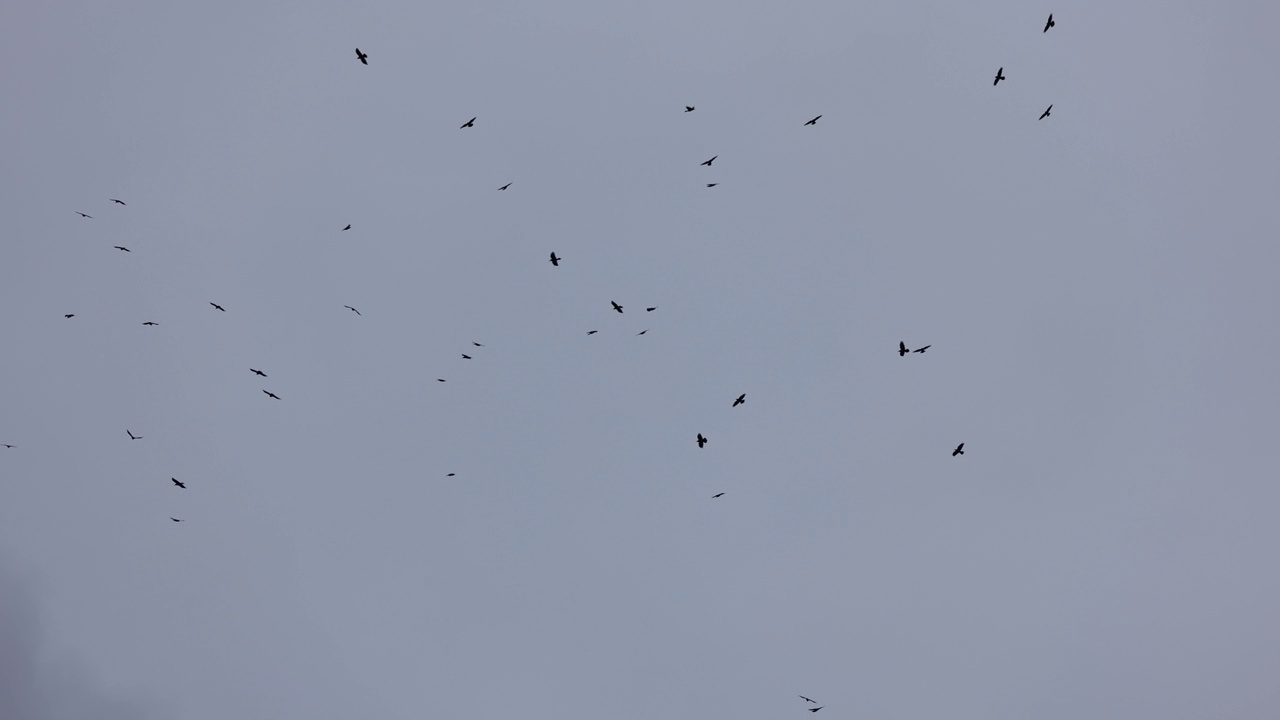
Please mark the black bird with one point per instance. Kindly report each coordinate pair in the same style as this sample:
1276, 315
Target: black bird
701, 440
688, 108
179, 483
921, 350
348, 227
1045, 114
958, 451
815, 709
117, 201
466, 356
150, 323
352, 310
1049, 24
504, 187
713, 497
999, 76
83, 215
650, 309
362, 57
813, 121
473, 342
131, 435
708, 163
257, 372
272, 395
69, 315
741, 399
122, 248
175, 519
469, 123
643, 331
439, 379
216, 305
815, 702
555, 260
616, 306
712, 184
902, 349
451, 474
7, 445
592, 332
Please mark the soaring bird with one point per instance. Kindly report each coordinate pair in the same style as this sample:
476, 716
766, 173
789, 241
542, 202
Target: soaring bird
741, 399
713, 159
348, 227
921, 350
1045, 114
713, 497
131, 435
121, 202
815, 702
257, 372
7, 445
69, 315
469, 123
504, 187
902, 349
712, 184
122, 248
179, 483
643, 331
999, 76
451, 474
616, 306
216, 305
688, 108
592, 332
473, 342
701, 440
362, 57
1049, 24
958, 451
466, 356
272, 395
352, 310
439, 379
83, 215
813, 121
650, 309
555, 260
815, 709
175, 519
150, 323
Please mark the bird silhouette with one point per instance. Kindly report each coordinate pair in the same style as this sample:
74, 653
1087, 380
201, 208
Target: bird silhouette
348, 227
131, 435
469, 123
902, 349
175, 519
555, 261
1045, 114
216, 305
1049, 24
150, 323
504, 187
616, 306
352, 310
69, 315
813, 121
473, 342
713, 159
466, 356
362, 57
958, 451
815, 709
921, 350
650, 309
999, 76
701, 440
713, 497
179, 483
741, 399
122, 248
257, 372
272, 395
8, 445
592, 332
712, 184
83, 215
121, 202
643, 331
815, 702
451, 474
688, 108
439, 379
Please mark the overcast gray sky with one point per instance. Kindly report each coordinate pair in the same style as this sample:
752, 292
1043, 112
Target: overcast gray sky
1098, 288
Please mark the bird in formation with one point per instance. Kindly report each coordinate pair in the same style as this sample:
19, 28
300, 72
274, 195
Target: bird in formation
121, 202
122, 248
808, 700
504, 187
921, 350
999, 76
272, 395
7, 445
150, 323
902, 349
1045, 114
813, 121
466, 356
708, 162
1049, 24
179, 483
216, 305
131, 435
352, 310
83, 215
701, 440
469, 123
175, 519
69, 315
257, 372
688, 108
348, 227
616, 306
958, 451
473, 342
815, 709
555, 261
713, 497
741, 399
362, 57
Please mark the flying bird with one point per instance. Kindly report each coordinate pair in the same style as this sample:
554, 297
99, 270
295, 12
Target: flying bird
83, 215
504, 187
469, 123
216, 305
1045, 114
999, 76
131, 435
650, 309
921, 350
150, 323
179, 483
643, 331
958, 451
348, 227
122, 248
713, 497
257, 372
69, 315
713, 159
272, 395
902, 349
555, 261
741, 399
712, 184
473, 342
1049, 24
592, 332
451, 474
352, 310
439, 379
616, 306
175, 519
688, 108
701, 440
7, 445
813, 121
815, 709
121, 202
815, 702
466, 356
362, 57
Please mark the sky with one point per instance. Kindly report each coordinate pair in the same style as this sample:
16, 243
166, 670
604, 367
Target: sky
1097, 291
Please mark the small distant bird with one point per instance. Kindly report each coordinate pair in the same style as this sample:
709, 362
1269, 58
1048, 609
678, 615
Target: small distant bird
272, 395
592, 332
69, 315
451, 474
643, 331
688, 108
999, 76
616, 306
466, 356
352, 310
362, 57
1049, 24
175, 519
815, 702
257, 372
348, 227
958, 451
216, 305
650, 309
741, 399
121, 202
83, 215
439, 379
701, 440
712, 184
7, 445
504, 187
815, 709
122, 248
921, 350
469, 123
902, 349
131, 435
713, 497
713, 159
555, 260
473, 342
1045, 114
179, 483
150, 323
813, 121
